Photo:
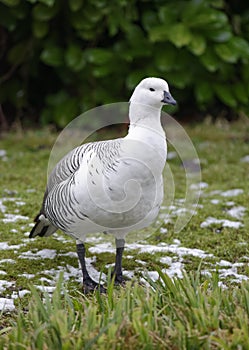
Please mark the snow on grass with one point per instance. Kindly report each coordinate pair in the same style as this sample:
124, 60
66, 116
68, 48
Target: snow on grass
3, 155
41, 254
4, 284
229, 193
232, 193
14, 218
6, 246
165, 248
7, 304
245, 159
225, 223
237, 212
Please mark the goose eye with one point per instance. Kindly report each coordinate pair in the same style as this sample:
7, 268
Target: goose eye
151, 89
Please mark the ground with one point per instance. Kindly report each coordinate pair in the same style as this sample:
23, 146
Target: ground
214, 241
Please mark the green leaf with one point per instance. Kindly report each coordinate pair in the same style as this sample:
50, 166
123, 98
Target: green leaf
40, 29
219, 35
134, 78
225, 94
240, 45
210, 60
226, 52
197, 45
102, 71
165, 58
63, 107
52, 56
75, 5
74, 58
17, 53
149, 20
203, 92
208, 18
168, 14
8, 20
98, 56
42, 12
179, 79
49, 3
65, 111
159, 33
179, 35
241, 92
10, 3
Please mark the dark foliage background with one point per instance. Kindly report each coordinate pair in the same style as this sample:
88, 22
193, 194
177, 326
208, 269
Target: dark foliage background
59, 58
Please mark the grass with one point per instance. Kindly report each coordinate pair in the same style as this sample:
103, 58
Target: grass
206, 309
188, 313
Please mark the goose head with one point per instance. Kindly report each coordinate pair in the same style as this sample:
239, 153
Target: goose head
153, 92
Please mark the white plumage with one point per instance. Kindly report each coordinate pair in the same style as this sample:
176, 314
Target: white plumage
112, 186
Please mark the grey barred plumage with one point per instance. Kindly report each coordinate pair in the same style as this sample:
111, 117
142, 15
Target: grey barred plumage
111, 186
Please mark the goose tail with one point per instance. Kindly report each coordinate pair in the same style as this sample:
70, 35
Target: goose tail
42, 228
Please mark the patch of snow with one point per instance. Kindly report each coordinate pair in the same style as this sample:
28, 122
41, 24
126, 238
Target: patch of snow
163, 230
30, 190
222, 285
20, 203
171, 155
199, 186
140, 262
27, 275
237, 212
13, 218
10, 261
13, 230
45, 279
172, 248
215, 201
153, 275
166, 260
230, 203
224, 263
20, 294
7, 304
3, 272
45, 289
232, 193
6, 246
41, 254
175, 270
224, 273
2, 206
245, 159
128, 274
3, 153
69, 254
8, 199
225, 223
5, 284
102, 248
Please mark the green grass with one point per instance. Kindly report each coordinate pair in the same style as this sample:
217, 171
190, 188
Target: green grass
188, 313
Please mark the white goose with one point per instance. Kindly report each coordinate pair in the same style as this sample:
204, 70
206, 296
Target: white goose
112, 186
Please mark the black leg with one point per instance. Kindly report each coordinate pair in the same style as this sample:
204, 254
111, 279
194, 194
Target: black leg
117, 273
89, 285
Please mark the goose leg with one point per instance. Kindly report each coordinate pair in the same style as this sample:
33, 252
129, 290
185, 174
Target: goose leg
89, 285
117, 273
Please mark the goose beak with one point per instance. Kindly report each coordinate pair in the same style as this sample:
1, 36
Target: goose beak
168, 99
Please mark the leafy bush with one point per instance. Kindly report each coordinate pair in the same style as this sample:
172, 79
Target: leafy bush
59, 58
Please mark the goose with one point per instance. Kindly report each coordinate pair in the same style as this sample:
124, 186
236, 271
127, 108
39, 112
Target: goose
113, 186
